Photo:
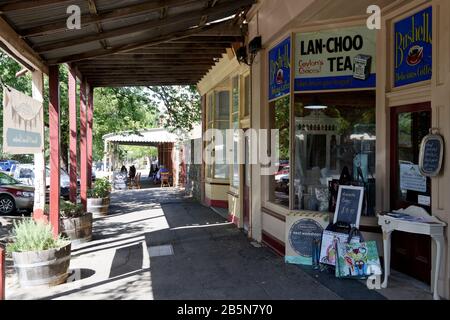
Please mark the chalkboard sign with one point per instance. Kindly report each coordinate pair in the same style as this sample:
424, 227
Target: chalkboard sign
349, 205
431, 155
120, 181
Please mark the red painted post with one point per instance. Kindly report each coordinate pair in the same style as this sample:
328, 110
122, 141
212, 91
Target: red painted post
2, 274
73, 134
83, 145
90, 120
55, 167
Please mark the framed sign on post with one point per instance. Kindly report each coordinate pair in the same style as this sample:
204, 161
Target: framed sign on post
431, 154
23, 123
349, 205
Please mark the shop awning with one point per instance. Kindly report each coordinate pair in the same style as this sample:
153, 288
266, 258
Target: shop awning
146, 137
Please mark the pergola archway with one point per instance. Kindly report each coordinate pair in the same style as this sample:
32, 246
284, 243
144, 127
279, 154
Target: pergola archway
157, 137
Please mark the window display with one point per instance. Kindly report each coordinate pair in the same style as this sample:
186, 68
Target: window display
279, 182
334, 145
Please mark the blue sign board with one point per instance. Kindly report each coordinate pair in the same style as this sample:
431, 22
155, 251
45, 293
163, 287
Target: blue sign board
413, 48
280, 70
302, 235
23, 139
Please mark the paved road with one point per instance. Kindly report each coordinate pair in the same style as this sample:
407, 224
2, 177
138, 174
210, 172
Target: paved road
210, 259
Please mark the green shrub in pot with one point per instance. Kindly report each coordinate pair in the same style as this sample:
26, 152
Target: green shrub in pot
68, 210
101, 189
30, 235
39, 257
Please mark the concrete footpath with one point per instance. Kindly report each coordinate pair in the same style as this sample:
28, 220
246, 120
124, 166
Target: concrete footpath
155, 244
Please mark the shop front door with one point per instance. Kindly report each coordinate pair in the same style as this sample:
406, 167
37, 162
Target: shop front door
411, 254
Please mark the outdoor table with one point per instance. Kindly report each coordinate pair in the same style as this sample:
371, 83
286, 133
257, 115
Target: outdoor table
432, 227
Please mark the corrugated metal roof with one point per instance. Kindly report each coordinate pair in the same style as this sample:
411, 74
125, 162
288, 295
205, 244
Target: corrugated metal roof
114, 26
142, 137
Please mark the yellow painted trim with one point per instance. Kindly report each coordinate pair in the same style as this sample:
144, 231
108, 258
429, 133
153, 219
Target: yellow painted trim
223, 69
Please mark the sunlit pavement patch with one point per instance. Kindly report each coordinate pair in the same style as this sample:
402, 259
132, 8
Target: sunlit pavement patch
160, 251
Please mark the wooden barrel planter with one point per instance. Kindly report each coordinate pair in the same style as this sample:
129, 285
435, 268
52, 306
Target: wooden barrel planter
79, 230
98, 206
42, 268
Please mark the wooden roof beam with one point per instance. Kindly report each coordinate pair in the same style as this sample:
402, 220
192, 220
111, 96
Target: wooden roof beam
18, 48
115, 14
146, 43
146, 82
140, 27
29, 4
94, 12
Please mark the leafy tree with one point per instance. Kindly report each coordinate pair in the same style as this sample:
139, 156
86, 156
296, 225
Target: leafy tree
182, 106
121, 109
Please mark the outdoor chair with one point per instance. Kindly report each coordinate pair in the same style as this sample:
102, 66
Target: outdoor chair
165, 179
133, 182
138, 180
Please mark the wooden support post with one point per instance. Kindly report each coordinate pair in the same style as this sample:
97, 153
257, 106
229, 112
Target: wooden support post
73, 134
2, 274
39, 158
55, 166
83, 144
90, 122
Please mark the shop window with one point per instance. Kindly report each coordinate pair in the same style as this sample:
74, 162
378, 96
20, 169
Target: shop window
235, 126
209, 125
279, 182
334, 144
412, 127
218, 117
247, 96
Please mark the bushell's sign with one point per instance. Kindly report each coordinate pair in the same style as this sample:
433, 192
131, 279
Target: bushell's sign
413, 48
280, 70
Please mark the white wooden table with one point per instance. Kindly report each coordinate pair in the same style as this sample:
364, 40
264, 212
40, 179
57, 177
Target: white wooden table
434, 230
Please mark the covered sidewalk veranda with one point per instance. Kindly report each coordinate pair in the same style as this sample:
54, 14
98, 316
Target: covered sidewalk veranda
116, 44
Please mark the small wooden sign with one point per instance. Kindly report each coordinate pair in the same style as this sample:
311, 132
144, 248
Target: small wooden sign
431, 155
349, 205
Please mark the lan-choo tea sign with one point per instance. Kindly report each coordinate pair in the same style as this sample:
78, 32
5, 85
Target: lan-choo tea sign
23, 123
413, 48
335, 59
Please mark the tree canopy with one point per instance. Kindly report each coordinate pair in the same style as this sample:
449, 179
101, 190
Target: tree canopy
182, 106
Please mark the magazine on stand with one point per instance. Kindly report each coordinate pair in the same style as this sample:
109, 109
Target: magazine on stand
411, 218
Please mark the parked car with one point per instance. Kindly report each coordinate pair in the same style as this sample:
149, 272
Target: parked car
5, 165
282, 172
14, 195
25, 174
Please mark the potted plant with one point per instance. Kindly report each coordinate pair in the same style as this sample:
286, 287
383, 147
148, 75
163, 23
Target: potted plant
99, 197
76, 223
39, 258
